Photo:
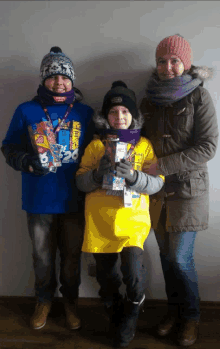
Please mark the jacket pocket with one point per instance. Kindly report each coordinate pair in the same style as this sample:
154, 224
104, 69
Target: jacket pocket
194, 184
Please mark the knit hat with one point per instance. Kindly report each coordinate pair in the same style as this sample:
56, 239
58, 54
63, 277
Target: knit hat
178, 46
120, 95
56, 63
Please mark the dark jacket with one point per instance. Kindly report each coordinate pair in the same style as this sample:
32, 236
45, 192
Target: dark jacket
184, 136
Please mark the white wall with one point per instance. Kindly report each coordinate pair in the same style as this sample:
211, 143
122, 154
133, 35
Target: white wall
106, 40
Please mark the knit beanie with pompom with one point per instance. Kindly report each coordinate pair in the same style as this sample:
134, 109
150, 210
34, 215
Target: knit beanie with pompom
177, 46
120, 95
56, 63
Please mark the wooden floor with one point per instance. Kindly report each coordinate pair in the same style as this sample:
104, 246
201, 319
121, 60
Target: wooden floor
15, 332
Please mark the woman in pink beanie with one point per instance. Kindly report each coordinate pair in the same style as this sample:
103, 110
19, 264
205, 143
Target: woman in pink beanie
181, 123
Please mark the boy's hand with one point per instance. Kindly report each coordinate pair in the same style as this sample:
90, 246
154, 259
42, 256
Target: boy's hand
104, 167
125, 170
31, 164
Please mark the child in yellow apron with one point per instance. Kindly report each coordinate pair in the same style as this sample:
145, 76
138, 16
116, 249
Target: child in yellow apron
118, 221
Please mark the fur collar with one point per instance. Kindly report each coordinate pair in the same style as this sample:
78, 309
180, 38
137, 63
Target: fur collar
101, 122
203, 73
78, 94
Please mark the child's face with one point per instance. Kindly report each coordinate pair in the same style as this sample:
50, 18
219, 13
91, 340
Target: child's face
119, 118
60, 84
169, 66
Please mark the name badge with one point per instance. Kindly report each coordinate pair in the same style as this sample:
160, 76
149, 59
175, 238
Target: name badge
127, 197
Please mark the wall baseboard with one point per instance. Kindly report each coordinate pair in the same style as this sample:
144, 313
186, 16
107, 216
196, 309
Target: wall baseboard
97, 301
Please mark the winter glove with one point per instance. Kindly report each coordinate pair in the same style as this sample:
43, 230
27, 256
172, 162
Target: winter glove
125, 170
31, 164
104, 167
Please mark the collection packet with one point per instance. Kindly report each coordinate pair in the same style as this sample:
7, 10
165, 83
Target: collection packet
44, 143
116, 151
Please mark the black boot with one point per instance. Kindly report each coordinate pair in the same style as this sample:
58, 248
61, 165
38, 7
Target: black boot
128, 323
115, 312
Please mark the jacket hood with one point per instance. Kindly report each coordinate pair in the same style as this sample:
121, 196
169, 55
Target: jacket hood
201, 72
101, 122
78, 94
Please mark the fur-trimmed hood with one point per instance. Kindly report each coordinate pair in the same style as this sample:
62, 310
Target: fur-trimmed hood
78, 94
169, 91
101, 122
201, 72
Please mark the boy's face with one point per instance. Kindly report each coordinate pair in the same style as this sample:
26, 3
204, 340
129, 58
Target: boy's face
119, 118
169, 66
60, 84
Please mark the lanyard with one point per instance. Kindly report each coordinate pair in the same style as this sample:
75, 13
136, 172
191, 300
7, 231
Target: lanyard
58, 127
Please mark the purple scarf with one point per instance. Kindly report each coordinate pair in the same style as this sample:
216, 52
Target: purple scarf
162, 92
127, 136
46, 96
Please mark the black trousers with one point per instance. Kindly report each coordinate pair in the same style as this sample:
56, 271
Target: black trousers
133, 273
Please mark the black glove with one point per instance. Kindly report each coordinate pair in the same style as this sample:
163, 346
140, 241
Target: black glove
124, 169
31, 164
104, 167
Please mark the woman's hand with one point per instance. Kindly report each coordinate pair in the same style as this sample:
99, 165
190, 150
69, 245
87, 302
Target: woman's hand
153, 169
124, 169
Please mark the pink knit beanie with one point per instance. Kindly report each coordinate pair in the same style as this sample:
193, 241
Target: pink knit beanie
178, 46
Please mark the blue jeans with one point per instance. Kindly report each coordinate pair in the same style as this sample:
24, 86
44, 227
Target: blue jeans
181, 280
48, 233
132, 269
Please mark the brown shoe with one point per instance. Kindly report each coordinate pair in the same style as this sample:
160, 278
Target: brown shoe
166, 325
73, 322
189, 333
39, 318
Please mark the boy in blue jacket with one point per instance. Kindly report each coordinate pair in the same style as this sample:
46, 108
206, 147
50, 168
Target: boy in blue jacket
45, 141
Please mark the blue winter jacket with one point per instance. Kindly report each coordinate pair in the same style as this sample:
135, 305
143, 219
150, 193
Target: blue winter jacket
55, 192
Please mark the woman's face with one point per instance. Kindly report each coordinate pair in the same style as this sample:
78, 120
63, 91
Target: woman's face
169, 66
119, 118
60, 84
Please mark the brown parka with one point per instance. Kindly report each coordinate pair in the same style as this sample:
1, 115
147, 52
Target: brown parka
184, 136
